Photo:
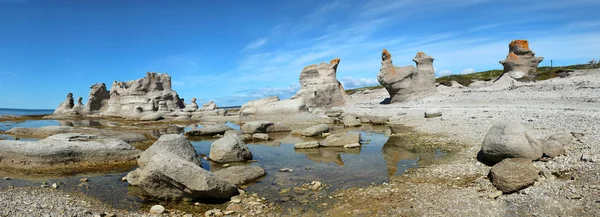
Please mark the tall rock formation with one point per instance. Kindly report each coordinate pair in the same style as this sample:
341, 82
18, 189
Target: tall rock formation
320, 87
98, 99
407, 83
65, 107
131, 99
150, 93
521, 61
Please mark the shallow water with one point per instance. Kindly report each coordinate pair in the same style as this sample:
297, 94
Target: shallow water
379, 158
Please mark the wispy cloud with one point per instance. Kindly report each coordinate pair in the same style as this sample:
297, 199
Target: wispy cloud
350, 82
256, 44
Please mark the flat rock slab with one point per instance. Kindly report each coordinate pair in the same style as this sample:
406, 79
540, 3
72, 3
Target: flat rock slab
209, 130
239, 175
315, 130
340, 140
63, 149
306, 145
47, 131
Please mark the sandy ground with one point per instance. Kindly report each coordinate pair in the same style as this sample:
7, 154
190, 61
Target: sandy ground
459, 186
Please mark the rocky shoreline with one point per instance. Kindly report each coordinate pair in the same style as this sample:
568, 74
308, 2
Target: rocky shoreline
512, 147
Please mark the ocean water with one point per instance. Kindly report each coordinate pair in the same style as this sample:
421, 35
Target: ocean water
21, 112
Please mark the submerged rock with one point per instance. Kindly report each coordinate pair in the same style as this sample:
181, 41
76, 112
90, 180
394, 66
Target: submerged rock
239, 175
513, 174
407, 83
510, 139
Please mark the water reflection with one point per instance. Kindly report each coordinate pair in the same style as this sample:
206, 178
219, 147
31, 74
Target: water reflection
398, 150
327, 154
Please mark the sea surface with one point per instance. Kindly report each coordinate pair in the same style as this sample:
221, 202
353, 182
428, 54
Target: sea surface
21, 112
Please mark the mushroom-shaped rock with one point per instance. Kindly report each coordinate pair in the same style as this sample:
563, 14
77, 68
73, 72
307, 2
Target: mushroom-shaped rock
407, 83
320, 87
192, 107
521, 61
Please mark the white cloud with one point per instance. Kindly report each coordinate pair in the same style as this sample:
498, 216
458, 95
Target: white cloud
256, 44
468, 71
443, 73
350, 82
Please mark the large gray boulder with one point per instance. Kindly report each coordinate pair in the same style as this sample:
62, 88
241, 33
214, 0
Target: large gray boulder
513, 174
209, 106
169, 177
341, 139
240, 175
320, 87
66, 149
521, 61
209, 130
510, 139
407, 83
175, 144
230, 148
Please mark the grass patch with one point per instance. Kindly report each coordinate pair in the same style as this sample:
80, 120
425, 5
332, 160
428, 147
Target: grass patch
542, 73
353, 91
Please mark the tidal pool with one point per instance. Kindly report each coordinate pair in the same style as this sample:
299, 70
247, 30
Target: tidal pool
379, 158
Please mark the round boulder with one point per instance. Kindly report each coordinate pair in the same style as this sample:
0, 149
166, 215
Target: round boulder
513, 174
510, 139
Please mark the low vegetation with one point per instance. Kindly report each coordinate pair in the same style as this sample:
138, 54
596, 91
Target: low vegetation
352, 91
542, 73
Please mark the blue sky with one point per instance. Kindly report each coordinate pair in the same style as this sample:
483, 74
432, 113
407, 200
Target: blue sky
235, 51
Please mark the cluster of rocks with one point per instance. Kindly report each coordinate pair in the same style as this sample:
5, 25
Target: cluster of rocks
511, 148
171, 170
146, 99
